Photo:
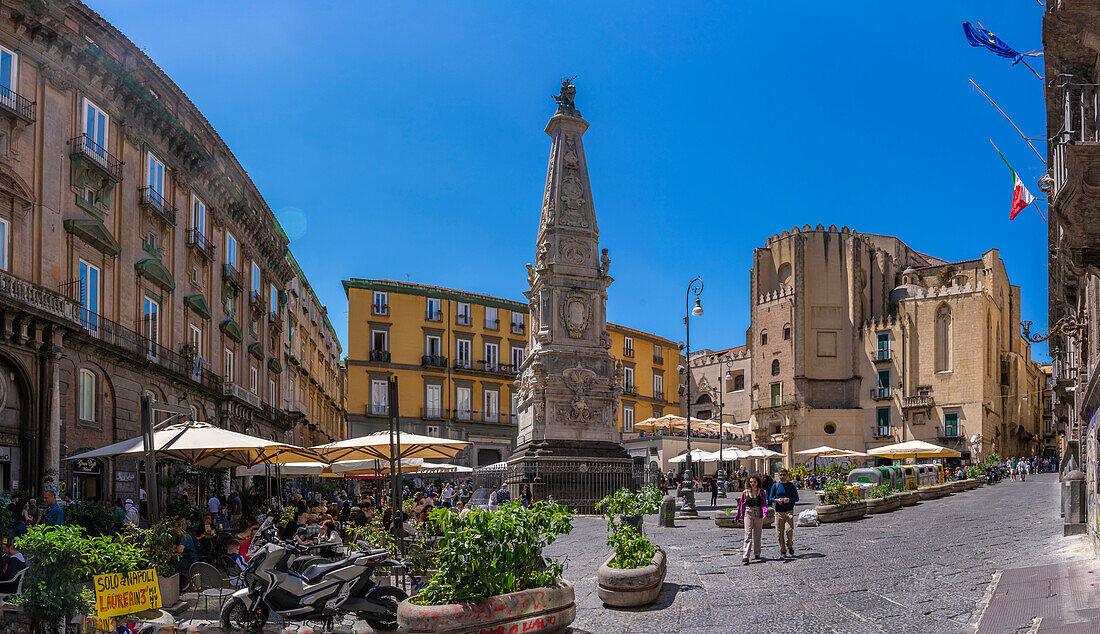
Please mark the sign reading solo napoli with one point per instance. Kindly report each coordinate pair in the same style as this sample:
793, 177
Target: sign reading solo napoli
119, 593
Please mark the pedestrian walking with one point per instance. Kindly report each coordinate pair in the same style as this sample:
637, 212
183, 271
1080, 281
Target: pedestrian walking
528, 498
752, 507
783, 496
714, 492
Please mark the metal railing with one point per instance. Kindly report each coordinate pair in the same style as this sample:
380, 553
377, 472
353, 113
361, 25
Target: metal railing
1080, 125
380, 356
196, 239
658, 359
948, 433
462, 320
518, 329
436, 316
492, 324
883, 355
256, 299
630, 389
377, 309
17, 104
378, 409
433, 413
920, 401
155, 200
880, 393
433, 361
628, 352
882, 431
83, 146
659, 395
232, 275
275, 320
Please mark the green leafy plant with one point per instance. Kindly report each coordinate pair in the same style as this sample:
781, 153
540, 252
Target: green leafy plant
946, 273
160, 545
92, 516
182, 509
627, 502
880, 491
632, 549
487, 553
286, 514
836, 492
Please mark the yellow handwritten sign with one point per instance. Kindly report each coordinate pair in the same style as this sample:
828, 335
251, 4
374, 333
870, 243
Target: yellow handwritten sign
118, 594
94, 623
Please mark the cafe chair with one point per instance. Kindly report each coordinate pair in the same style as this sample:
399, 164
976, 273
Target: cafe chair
208, 583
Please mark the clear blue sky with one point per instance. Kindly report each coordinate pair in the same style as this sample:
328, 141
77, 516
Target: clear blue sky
405, 140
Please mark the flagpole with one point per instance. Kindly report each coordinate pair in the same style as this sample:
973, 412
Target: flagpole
1010, 167
1024, 62
1022, 135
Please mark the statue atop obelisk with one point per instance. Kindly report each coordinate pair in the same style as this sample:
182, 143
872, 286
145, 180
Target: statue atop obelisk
569, 385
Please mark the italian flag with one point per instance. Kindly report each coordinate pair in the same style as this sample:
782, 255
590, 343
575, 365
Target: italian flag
1021, 197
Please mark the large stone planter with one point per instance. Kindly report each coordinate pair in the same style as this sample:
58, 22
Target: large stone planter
909, 498
726, 521
633, 587
971, 483
841, 512
537, 610
169, 590
933, 492
883, 505
958, 486
632, 520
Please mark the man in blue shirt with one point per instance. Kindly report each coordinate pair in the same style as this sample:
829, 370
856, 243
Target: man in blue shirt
54, 515
783, 495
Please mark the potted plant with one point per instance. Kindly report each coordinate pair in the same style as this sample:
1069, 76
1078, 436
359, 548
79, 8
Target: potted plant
841, 503
634, 573
189, 351
725, 519
160, 550
491, 573
880, 499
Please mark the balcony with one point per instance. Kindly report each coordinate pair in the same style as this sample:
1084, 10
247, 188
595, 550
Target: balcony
436, 316
299, 408
881, 356
433, 413
492, 324
378, 409
232, 276
155, 202
59, 304
17, 105
240, 393
256, 300
631, 390
96, 157
463, 364
496, 368
949, 435
275, 321
880, 393
923, 401
462, 320
380, 309
882, 431
497, 418
463, 415
519, 328
659, 394
433, 361
380, 356
197, 241
628, 352
658, 360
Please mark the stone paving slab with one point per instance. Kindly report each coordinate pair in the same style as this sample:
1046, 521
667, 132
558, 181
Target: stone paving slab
1059, 597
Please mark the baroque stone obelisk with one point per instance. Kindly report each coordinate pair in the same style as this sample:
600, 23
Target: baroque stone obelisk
569, 386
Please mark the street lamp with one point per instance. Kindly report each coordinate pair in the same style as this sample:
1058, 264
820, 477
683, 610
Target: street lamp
727, 363
688, 487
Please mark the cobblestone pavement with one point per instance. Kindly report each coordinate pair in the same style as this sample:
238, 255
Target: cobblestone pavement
926, 568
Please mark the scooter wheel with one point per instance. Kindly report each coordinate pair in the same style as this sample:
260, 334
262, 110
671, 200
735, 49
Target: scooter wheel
236, 617
389, 597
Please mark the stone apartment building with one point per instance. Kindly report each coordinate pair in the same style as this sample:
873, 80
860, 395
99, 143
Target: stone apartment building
720, 384
859, 341
136, 257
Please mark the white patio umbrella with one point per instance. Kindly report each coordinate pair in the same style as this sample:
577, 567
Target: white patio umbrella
288, 469
366, 467
760, 452
825, 451
204, 445
435, 467
697, 455
376, 446
735, 453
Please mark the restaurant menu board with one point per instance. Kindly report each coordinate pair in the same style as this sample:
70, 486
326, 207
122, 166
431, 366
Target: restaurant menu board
118, 594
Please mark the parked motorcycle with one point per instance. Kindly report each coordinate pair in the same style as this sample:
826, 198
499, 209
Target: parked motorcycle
320, 592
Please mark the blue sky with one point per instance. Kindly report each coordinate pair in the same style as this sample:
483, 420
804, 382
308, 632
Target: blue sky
405, 140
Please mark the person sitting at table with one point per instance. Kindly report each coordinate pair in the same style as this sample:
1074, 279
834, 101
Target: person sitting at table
207, 531
313, 529
189, 554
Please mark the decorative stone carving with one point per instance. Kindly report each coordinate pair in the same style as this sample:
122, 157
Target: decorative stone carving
531, 282
55, 77
605, 340
605, 263
572, 188
576, 313
573, 252
541, 255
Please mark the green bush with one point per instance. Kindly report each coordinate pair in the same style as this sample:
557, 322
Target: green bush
837, 492
627, 502
975, 471
880, 491
632, 549
180, 508
160, 545
92, 516
487, 553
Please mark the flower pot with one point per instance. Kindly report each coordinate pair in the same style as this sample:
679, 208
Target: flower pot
549, 609
883, 505
909, 498
931, 493
726, 521
631, 587
169, 590
841, 512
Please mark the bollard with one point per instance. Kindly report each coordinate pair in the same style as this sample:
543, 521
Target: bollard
667, 517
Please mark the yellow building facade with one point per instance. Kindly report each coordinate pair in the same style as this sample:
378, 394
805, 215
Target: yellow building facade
455, 355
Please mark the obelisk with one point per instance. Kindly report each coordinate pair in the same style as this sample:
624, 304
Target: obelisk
569, 385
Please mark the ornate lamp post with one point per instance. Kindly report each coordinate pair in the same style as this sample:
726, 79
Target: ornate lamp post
688, 487
727, 363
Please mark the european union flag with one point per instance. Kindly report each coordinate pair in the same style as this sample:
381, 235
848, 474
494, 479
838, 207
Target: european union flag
978, 36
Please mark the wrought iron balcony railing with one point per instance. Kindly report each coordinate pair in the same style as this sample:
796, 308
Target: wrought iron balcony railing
880, 393
883, 355
97, 156
380, 356
155, 200
17, 104
231, 275
197, 241
433, 361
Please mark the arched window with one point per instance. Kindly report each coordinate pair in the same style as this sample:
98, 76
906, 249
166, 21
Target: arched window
763, 337
786, 332
784, 274
738, 382
88, 396
943, 339
775, 367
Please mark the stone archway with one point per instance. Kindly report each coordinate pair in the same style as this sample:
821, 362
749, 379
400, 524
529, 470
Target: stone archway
18, 462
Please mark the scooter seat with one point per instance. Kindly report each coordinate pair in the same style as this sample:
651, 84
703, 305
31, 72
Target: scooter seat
316, 571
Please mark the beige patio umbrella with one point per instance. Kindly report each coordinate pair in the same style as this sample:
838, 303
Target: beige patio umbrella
376, 446
668, 422
697, 455
825, 451
914, 449
204, 445
368, 467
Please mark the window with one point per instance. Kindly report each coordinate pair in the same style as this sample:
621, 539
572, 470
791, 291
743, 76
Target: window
96, 135
380, 341
492, 322
433, 345
273, 299
658, 386
253, 378
433, 401
491, 406
462, 353
381, 303
775, 367
435, 310
883, 379
463, 403
9, 76
950, 424
89, 296
150, 325
628, 381
943, 339
462, 316
433, 431
830, 428
517, 321
86, 409
628, 418
518, 355
229, 365
658, 354
628, 346
198, 215
4, 245
271, 391
787, 332
777, 394
882, 421
154, 171
379, 397
255, 288
194, 337
883, 345
230, 250
763, 337
918, 418
739, 383
492, 356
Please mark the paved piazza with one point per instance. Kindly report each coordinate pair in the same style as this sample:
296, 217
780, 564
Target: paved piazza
926, 568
